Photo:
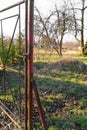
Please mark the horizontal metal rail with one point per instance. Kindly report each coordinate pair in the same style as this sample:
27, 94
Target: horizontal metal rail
14, 5
9, 17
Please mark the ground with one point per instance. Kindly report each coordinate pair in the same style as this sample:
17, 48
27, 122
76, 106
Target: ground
62, 86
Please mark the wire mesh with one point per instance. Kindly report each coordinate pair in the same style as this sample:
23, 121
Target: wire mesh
12, 74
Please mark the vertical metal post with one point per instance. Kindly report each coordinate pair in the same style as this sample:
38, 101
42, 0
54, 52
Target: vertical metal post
30, 62
26, 67
29, 7
2, 43
19, 91
3, 59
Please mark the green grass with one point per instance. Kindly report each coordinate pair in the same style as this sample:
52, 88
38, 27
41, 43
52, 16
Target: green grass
81, 119
63, 80
9, 97
62, 85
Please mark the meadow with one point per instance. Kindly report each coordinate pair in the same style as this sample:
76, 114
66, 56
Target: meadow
62, 85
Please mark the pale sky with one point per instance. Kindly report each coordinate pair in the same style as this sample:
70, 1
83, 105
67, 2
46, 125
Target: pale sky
9, 24
47, 5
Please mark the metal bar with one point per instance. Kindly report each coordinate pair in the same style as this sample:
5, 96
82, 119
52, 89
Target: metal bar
26, 67
19, 91
3, 59
44, 123
6, 113
2, 43
29, 12
11, 40
14, 5
9, 17
7, 109
30, 61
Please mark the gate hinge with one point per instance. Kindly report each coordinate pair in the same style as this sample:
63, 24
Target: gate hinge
25, 56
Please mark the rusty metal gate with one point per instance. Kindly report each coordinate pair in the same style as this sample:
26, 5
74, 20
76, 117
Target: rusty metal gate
16, 73
11, 74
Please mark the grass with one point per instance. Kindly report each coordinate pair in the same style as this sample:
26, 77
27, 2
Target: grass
9, 97
63, 82
62, 85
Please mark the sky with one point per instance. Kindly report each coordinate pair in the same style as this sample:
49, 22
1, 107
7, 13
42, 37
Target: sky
47, 5
9, 24
44, 6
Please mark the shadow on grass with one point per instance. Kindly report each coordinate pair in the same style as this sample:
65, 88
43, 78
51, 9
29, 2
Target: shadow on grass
66, 78
12, 79
59, 86
72, 65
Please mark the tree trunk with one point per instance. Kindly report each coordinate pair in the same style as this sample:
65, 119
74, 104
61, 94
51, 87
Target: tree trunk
61, 41
60, 51
82, 29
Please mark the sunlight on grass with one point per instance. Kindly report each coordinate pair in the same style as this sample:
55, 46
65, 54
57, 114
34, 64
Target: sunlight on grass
71, 77
64, 80
59, 96
43, 55
47, 77
7, 97
62, 85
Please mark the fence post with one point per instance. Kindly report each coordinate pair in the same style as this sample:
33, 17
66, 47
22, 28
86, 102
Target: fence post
29, 14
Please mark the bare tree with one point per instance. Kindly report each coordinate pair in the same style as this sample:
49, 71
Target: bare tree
80, 21
52, 28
